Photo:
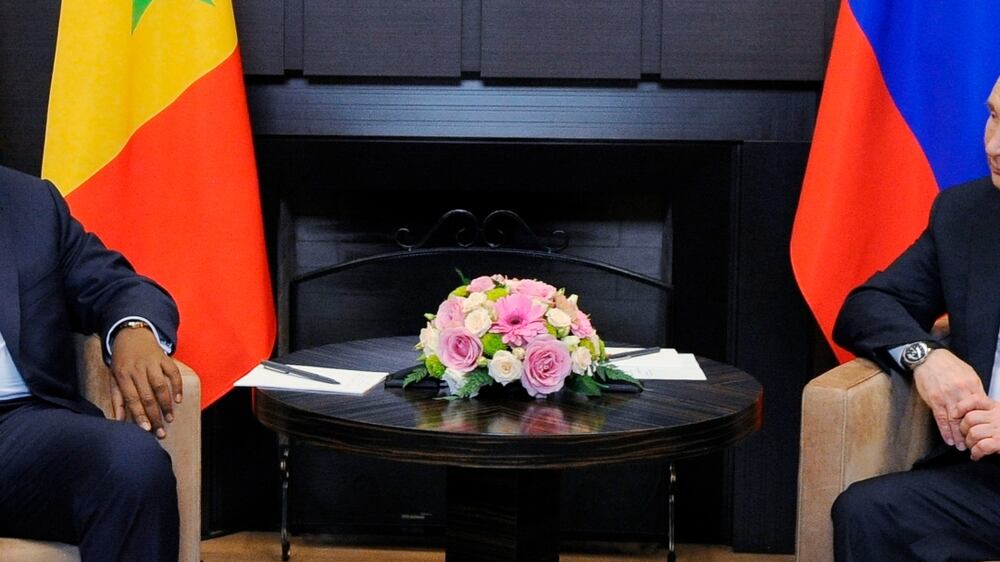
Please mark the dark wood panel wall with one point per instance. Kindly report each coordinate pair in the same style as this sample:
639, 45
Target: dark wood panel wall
783, 40
382, 38
558, 39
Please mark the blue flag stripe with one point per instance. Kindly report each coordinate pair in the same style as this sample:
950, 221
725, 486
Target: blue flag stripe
939, 59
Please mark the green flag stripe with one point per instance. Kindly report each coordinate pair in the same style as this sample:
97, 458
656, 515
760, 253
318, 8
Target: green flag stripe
139, 8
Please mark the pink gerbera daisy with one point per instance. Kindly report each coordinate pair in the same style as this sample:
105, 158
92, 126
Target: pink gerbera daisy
519, 319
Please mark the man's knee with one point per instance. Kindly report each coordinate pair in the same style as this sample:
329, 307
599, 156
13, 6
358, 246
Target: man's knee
867, 502
139, 469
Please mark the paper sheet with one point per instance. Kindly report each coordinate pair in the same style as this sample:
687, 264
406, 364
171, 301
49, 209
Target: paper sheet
667, 365
351, 382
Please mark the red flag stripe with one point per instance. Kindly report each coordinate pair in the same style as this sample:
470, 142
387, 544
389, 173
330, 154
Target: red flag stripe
868, 186
181, 201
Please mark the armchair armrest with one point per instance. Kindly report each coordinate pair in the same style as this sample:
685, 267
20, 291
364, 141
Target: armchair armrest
857, 422
183, 440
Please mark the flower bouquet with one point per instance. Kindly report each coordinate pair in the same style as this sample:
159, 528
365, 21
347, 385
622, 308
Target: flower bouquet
498, 330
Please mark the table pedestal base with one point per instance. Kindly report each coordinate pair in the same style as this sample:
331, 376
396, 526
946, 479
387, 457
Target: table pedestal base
502, 515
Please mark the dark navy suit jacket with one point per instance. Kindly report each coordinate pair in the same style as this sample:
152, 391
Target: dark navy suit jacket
953, 267
56, 279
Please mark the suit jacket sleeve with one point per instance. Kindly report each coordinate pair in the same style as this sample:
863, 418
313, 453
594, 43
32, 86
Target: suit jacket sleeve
102, 287
896, 306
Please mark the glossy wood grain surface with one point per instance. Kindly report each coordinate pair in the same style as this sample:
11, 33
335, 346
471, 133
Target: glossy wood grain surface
670, 419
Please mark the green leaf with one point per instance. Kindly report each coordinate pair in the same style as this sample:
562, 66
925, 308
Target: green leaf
585, 385
476, 379
610, 372
416, 375
465, 280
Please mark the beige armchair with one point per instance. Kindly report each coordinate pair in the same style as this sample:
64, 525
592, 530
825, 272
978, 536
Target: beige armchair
857, 422
183, 442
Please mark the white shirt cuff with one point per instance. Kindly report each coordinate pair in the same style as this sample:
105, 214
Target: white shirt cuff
168, 347
897, 354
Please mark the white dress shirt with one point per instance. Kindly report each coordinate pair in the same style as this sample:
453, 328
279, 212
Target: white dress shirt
11, 383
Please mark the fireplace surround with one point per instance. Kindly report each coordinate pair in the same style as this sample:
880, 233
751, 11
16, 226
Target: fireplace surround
661, 210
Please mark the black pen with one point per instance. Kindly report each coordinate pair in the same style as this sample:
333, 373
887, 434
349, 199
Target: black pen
634, 353
288, 370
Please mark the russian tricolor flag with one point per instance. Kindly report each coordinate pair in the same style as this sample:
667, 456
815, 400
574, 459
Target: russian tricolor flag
902, 116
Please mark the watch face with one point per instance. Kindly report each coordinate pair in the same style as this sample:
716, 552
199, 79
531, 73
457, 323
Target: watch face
914, 353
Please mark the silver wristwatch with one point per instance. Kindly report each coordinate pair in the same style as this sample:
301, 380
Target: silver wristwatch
916, 353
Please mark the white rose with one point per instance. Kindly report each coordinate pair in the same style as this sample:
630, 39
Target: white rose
571, 342
429, 337
519, 353
581, 360
455, 380
478, 322
558, 318
473, 301
505, 367
595, 341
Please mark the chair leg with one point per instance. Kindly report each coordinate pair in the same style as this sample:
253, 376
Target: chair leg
283, 469
671, 488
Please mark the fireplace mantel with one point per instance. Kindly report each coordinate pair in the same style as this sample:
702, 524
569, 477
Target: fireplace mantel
477, 109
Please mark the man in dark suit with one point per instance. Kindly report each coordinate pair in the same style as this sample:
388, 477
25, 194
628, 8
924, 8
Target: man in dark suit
948, 506
66, 473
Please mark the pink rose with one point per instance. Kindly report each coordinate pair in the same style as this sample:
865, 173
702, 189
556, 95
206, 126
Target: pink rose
535, 289
459, 349
581, 326
519, 319
481, 284
546, 365
449, 314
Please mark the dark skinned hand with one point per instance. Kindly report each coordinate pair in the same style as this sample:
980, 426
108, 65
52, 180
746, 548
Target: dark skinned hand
148, 382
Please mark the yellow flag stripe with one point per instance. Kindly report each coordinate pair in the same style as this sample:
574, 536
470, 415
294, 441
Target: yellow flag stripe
107, 81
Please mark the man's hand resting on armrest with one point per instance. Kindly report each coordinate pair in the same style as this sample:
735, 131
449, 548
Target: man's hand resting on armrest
950, 387
145, 376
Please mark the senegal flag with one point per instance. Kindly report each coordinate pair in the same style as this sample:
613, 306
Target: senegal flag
149, 139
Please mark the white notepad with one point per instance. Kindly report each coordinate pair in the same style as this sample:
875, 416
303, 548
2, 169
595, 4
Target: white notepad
667, 365
351, 382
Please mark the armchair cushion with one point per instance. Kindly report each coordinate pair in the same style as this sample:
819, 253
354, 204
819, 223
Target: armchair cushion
857, 422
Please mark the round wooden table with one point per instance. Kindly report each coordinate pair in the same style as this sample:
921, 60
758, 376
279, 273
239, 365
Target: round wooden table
504, 451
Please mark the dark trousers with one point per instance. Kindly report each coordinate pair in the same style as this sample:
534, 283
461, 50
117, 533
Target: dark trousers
946, 511
103, 485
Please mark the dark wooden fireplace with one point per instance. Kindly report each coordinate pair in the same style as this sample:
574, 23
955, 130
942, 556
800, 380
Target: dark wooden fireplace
675, 210
634, 205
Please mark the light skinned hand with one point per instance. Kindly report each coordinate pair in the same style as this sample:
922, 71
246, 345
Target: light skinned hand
949, 386
145, 377
981, 426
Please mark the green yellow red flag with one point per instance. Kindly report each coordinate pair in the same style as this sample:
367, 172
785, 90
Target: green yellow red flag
148, 138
